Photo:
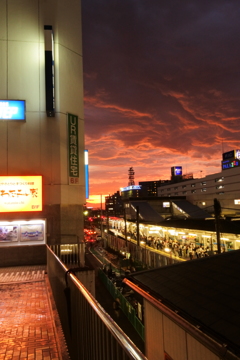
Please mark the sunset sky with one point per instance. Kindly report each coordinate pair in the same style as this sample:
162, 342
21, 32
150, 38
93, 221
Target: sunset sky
162, 88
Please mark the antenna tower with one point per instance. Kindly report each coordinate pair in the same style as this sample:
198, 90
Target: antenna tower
131, 176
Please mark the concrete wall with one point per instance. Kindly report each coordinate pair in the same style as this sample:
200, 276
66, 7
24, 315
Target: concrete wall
164, 337
23, 255
39, 146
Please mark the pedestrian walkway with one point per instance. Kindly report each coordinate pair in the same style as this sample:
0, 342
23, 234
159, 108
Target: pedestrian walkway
29, 323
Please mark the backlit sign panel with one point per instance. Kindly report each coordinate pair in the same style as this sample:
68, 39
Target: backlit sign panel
232, 155
73, 156
86, 174
131, 187
12, 110
237, 154
228, 164
166, 204
20, 193
176, 170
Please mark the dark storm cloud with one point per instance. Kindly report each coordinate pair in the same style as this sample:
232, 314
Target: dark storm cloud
161, 81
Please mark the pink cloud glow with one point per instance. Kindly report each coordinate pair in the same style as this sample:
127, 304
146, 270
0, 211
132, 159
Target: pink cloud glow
161, 82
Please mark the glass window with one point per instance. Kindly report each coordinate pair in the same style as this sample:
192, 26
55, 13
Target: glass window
219, 179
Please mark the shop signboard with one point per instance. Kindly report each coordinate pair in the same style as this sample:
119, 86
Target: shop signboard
12, 110
73, 156
20, 193
229, 164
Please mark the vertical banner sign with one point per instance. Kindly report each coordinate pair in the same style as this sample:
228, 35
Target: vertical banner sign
86, 174
73, 157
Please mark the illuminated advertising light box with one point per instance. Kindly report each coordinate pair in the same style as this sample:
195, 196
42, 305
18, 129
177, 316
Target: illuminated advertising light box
176, 170
228, 164
86, 174
12, 110
20, 193
131, 187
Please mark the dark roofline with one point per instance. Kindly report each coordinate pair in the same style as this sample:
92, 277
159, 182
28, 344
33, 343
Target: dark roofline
150, 294
155, 198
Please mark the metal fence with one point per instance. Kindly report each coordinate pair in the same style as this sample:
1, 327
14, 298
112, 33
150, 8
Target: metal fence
126, 307
145, 255
89, 331
67, 253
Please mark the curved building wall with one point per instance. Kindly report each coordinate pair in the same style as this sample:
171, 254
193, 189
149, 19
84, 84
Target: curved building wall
39, 145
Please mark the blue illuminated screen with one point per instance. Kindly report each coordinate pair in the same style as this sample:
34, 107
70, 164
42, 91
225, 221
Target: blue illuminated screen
86, 174
178, 170
228, 164
12, 109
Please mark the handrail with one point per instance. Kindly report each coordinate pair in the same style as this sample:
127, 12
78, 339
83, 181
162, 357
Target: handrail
115, 330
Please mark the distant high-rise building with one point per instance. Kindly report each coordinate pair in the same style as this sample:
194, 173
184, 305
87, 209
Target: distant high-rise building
114, 204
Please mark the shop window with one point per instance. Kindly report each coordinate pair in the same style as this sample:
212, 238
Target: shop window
166, 204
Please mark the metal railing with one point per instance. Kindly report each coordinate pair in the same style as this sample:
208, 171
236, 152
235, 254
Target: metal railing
67, 253
126, 307
89, 331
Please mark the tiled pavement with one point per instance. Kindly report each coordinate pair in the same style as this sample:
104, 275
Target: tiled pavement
29, 324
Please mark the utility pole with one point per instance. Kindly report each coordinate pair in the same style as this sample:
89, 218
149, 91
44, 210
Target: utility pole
217, 213
125, 224
101, 224
138, 237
